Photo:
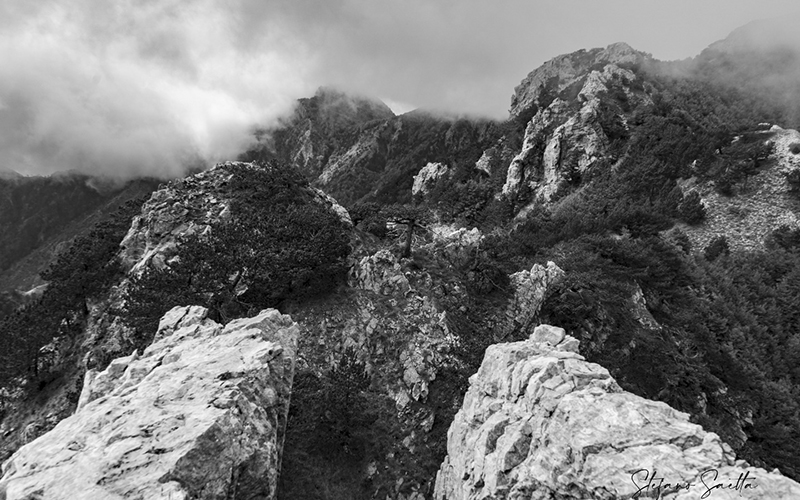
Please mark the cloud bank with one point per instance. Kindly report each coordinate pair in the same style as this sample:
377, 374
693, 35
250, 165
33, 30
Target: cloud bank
131, 87
147, 87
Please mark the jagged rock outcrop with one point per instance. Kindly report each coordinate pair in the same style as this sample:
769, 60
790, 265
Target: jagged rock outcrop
566, 135
176, 210
530, 288
428, 177
199, 414
562, 71
458, 245
419, 335
540, 422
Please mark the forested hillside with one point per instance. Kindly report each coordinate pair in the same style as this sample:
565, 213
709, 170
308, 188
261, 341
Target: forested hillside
609, 167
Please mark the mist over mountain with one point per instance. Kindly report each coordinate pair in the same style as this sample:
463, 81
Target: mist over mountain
437, 304
761, 58
126, 90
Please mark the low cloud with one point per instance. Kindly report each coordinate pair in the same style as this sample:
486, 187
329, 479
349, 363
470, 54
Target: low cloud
132, 88
136, 87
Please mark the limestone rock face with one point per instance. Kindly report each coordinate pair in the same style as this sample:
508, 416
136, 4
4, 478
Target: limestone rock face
379, 273
576, 112
566, 138
200, 414
419, 332
457, 244
178, 209
540, 422
530, 288
428, 177
564, 70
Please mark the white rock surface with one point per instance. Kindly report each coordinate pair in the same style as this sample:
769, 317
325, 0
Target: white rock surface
566, 69
540, 422
530, 288
427, 177
200, 414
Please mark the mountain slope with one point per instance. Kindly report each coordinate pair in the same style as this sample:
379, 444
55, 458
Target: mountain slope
603, 204
367, 153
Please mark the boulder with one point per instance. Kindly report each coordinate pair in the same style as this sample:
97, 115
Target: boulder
199, 414
540, 422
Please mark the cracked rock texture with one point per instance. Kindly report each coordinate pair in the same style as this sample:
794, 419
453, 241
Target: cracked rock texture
428, 177
540, 422
200, 414
566, 70
530, 288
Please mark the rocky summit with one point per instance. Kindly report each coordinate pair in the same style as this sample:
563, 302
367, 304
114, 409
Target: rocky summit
199, 414
648, 208
540, 422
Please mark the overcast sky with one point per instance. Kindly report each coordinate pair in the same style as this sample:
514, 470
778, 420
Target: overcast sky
131, 87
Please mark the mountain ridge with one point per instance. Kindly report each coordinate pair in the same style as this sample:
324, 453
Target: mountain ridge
599, 206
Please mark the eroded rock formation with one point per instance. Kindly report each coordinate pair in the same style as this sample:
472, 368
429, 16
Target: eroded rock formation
428, 177
530, 288
199, 414
540, 422
571, 124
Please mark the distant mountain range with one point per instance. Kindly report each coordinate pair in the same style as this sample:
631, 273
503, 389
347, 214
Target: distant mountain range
651, 209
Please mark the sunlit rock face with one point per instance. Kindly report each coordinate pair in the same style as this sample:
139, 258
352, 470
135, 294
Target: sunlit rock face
563, 71
540, 422
199, 414
571, 117
530, 288
428, 177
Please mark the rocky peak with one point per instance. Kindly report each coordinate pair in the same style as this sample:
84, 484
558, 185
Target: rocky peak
540, 422
333, 108
199, 414
560, 72
575, 106
321, 123
428, 177
188, 206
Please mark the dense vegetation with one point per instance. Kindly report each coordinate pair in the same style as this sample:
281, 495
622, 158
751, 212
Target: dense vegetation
279, 243
711, 331
723, 343
707, 330
85, 271
33, 208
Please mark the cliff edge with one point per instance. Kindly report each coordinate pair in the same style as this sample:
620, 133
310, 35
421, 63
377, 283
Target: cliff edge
540, 422
200, 414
